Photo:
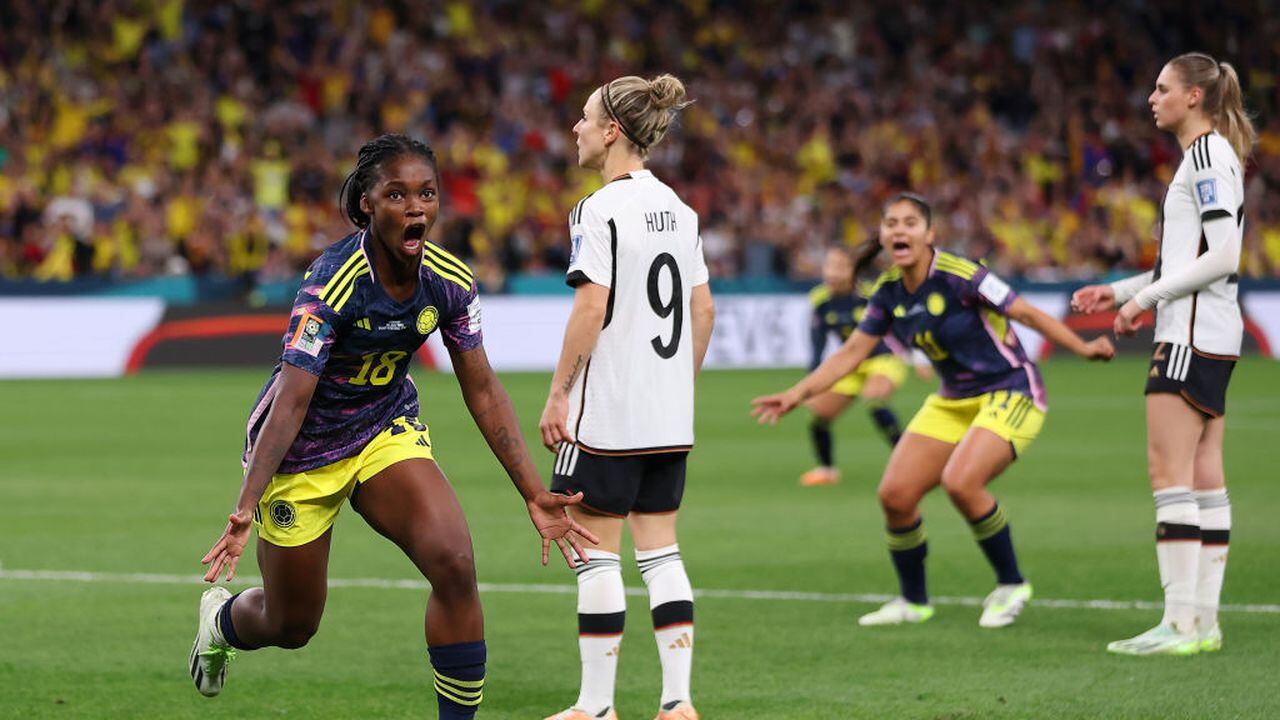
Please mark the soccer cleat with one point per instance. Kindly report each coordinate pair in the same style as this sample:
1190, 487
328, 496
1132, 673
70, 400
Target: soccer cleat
820, 476
677, 710
1003, 605
210, 656
574, 713
1162, 639
897, 612
1211, 639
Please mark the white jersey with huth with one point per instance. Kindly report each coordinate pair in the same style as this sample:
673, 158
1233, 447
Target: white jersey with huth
1194, 286
637, 238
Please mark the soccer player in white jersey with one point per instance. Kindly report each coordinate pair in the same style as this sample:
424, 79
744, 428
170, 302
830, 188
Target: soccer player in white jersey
620, 410
1197, 342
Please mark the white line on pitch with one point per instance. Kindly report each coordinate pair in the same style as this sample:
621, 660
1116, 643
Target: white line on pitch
386, 583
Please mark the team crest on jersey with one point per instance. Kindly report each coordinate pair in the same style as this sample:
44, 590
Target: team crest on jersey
1208, 191
574, 244
427, 319
936, 304
309, 337
282, 514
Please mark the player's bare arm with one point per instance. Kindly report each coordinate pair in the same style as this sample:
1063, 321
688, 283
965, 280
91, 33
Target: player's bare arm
770, 408
278, 433
703, 311
586, 319
1099, 348
491, 408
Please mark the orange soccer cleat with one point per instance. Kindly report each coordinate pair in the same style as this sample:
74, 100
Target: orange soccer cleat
820, 476
681, 711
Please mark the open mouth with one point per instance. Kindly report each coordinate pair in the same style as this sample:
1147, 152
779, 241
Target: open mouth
413, 235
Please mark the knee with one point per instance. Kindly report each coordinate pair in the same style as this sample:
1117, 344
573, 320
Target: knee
897, 500
958, 484
293, 634
453, 573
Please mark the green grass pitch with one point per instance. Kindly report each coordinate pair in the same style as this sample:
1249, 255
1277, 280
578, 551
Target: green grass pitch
135, 476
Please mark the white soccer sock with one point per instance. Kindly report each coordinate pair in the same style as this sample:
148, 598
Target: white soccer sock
671, 604
1178, 554
1215, 532
602, 607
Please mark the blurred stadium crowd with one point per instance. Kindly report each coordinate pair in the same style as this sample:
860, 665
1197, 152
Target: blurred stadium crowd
170, 137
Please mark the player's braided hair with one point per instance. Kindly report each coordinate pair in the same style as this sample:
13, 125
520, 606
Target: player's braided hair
643, 109
868, 251
372, 155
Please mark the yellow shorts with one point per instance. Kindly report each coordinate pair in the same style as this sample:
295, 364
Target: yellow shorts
298, 508
888, 365
1009, 414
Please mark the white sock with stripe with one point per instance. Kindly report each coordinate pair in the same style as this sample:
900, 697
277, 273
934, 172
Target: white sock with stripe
602, 607
1178, 554
671, 605
1215, 534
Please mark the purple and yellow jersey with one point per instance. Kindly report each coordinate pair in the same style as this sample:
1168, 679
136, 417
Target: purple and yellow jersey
958, 318
358, 340
837, 315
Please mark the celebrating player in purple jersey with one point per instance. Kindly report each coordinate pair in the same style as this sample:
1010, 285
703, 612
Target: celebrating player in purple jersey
990, 407
339, 418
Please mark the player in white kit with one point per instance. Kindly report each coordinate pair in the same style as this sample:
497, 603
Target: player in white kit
620, 410
1197, 342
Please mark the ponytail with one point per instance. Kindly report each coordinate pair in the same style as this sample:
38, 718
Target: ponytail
865, 255
1223, 100
1231, 119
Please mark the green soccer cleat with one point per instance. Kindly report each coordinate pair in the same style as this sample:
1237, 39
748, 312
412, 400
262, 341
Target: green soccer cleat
1004, 603
1162, 639
897, 612
1211, 639
210, 654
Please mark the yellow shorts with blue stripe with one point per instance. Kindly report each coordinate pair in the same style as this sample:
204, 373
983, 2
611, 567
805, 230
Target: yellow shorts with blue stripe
889, 365
1007, 413
298, 508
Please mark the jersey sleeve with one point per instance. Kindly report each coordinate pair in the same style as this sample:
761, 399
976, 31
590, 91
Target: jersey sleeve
1213, 182
591, 252
313, 326
879, 316
700, 275
987, 289
460, 326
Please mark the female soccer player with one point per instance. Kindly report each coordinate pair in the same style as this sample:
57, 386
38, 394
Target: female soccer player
1197, 342
620, 410
990, 406
838, 307
338, 418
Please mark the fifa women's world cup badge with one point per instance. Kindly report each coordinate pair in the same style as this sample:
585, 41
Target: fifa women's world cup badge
427, 319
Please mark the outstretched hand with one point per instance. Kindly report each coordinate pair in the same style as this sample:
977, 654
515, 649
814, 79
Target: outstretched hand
1093, 298
770, 408
227, 551
550, 516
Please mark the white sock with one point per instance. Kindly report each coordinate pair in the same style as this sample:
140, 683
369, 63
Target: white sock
1178, 554
1215, 532
602, 607
671, 604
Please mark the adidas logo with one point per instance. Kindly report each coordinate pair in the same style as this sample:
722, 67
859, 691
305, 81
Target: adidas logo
684, 641
364, 324
422, 441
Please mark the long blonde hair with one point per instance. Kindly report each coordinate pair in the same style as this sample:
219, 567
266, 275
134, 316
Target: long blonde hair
1223, 101
643, 109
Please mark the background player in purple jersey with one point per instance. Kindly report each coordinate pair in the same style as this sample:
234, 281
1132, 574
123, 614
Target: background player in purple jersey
339, 418
988, 410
